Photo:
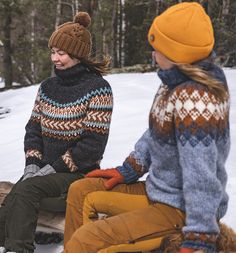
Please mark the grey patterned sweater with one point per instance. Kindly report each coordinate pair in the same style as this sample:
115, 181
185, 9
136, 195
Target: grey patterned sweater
70, 121
184, 150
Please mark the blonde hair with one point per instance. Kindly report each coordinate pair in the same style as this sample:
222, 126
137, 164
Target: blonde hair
196, 73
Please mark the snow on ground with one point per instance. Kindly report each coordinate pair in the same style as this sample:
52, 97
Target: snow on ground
133, 96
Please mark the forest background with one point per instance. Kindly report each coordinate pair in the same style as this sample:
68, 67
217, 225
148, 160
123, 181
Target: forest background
119, 29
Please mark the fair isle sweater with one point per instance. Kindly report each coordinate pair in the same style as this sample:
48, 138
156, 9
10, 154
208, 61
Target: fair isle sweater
184, 151
70, 121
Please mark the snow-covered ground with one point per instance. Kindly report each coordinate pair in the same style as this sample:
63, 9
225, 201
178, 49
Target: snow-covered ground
133, 96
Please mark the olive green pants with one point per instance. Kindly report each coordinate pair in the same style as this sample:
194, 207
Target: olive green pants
19, 210
135, 218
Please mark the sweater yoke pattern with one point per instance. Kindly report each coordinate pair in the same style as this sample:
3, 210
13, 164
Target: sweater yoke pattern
189, 114
68, 121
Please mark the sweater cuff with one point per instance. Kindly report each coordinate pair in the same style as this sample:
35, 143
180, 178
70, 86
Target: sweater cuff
34, 160
60, 167
129, 174
199, 245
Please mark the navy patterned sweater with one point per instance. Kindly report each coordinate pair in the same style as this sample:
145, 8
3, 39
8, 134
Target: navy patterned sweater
184, 150
70, 121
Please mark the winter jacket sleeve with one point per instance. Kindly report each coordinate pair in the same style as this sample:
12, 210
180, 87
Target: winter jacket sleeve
88, 151
33, 145
138, 162
201, 121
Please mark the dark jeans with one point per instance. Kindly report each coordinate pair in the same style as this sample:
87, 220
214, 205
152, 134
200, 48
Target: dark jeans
19, 210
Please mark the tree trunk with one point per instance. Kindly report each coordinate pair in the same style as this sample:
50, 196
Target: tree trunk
158, 7
204, 4
58, 14
103, 40
32, 39
121, 37
7, 52
225, 7
57, 23
76, 5
114, 34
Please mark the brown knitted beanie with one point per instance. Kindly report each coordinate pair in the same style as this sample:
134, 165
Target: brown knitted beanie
73, 37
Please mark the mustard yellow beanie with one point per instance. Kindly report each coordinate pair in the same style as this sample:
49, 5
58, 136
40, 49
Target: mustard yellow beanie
183, 33
73, 37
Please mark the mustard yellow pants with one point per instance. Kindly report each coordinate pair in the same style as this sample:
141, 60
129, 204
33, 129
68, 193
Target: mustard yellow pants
133, 219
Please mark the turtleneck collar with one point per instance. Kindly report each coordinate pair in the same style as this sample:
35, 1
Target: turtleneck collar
71, 76
172, 77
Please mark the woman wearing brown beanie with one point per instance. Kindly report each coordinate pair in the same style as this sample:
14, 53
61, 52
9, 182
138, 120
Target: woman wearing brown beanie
65, 136
184, 151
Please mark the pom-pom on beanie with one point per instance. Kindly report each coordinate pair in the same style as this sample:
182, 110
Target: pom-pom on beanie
183, 33
73, 37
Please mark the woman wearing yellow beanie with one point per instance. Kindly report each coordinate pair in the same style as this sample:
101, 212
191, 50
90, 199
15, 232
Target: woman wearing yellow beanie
184, 150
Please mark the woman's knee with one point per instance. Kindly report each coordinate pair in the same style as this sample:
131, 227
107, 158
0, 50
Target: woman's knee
76, 189
80, 188
24, 188
102, 233
81, 241
87, 234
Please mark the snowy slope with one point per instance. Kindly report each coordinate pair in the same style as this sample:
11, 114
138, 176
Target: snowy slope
133, 96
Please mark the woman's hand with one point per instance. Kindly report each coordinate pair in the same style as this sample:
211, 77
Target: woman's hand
188, 250
29, 171
113, 175
46, 170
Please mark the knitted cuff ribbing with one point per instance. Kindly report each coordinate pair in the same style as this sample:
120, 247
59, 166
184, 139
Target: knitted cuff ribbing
129, 174
34, 160
199, 245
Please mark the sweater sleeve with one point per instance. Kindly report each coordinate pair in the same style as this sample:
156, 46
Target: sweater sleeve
88, 151
33, 145
138, 162
201, 123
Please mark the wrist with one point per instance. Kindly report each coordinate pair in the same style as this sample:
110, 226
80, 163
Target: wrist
198, 245
34, 160
128, 173
60, 166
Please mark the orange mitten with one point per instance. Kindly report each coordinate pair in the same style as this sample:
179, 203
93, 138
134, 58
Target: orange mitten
113, 175
188, 250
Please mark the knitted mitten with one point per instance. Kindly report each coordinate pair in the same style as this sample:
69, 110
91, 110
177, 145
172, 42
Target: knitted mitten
113, 175
2, 250
30, 170
46, 170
